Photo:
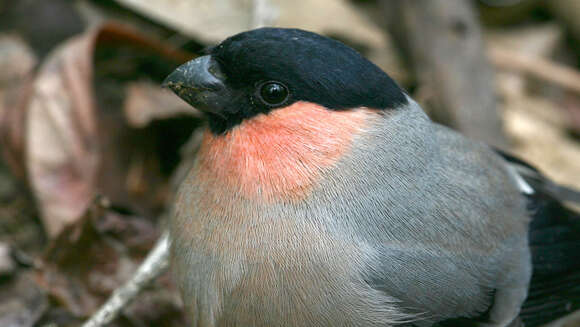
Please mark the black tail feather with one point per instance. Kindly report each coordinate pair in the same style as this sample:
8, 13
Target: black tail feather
555, 243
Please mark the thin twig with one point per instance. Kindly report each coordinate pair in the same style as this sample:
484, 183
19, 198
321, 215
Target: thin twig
154, 265
541, 68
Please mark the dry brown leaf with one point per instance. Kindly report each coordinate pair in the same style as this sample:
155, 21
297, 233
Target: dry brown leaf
17, 64
212, 21
64, 122
206, 20
61, 136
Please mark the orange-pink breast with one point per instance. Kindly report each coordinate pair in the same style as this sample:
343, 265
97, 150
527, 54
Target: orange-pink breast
279, 156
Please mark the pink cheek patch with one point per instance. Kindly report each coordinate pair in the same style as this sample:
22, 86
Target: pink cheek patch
281, 155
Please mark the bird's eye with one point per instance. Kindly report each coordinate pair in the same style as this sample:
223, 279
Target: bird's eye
273, 93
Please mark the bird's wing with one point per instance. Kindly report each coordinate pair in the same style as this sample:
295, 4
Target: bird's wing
555, 243
434, 286
455, 231
537, 182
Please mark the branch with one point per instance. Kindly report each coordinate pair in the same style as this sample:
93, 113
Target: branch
541, 68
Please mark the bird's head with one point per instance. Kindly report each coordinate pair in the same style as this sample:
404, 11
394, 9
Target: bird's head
283, 105
262, 70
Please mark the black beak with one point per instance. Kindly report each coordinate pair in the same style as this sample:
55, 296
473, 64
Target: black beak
200, 83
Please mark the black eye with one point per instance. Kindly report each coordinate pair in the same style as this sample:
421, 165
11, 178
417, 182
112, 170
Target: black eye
273, 93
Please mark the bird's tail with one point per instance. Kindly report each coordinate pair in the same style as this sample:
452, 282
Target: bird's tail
555, 243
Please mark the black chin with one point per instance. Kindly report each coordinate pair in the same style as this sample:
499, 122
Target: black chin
224, 122
218, 125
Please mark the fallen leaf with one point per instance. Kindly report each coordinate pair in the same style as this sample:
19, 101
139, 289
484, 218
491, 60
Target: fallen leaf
71, 129
206, 20
17, 63
61, 136
212, 21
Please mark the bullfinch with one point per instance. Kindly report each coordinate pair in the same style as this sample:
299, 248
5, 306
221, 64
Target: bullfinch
323, 195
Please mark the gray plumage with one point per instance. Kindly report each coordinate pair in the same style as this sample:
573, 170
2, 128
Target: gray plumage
322, 195
415, 224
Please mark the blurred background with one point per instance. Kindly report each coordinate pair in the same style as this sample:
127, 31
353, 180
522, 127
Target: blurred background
91, 147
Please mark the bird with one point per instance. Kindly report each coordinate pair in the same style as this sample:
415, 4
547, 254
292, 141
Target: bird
323, 195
